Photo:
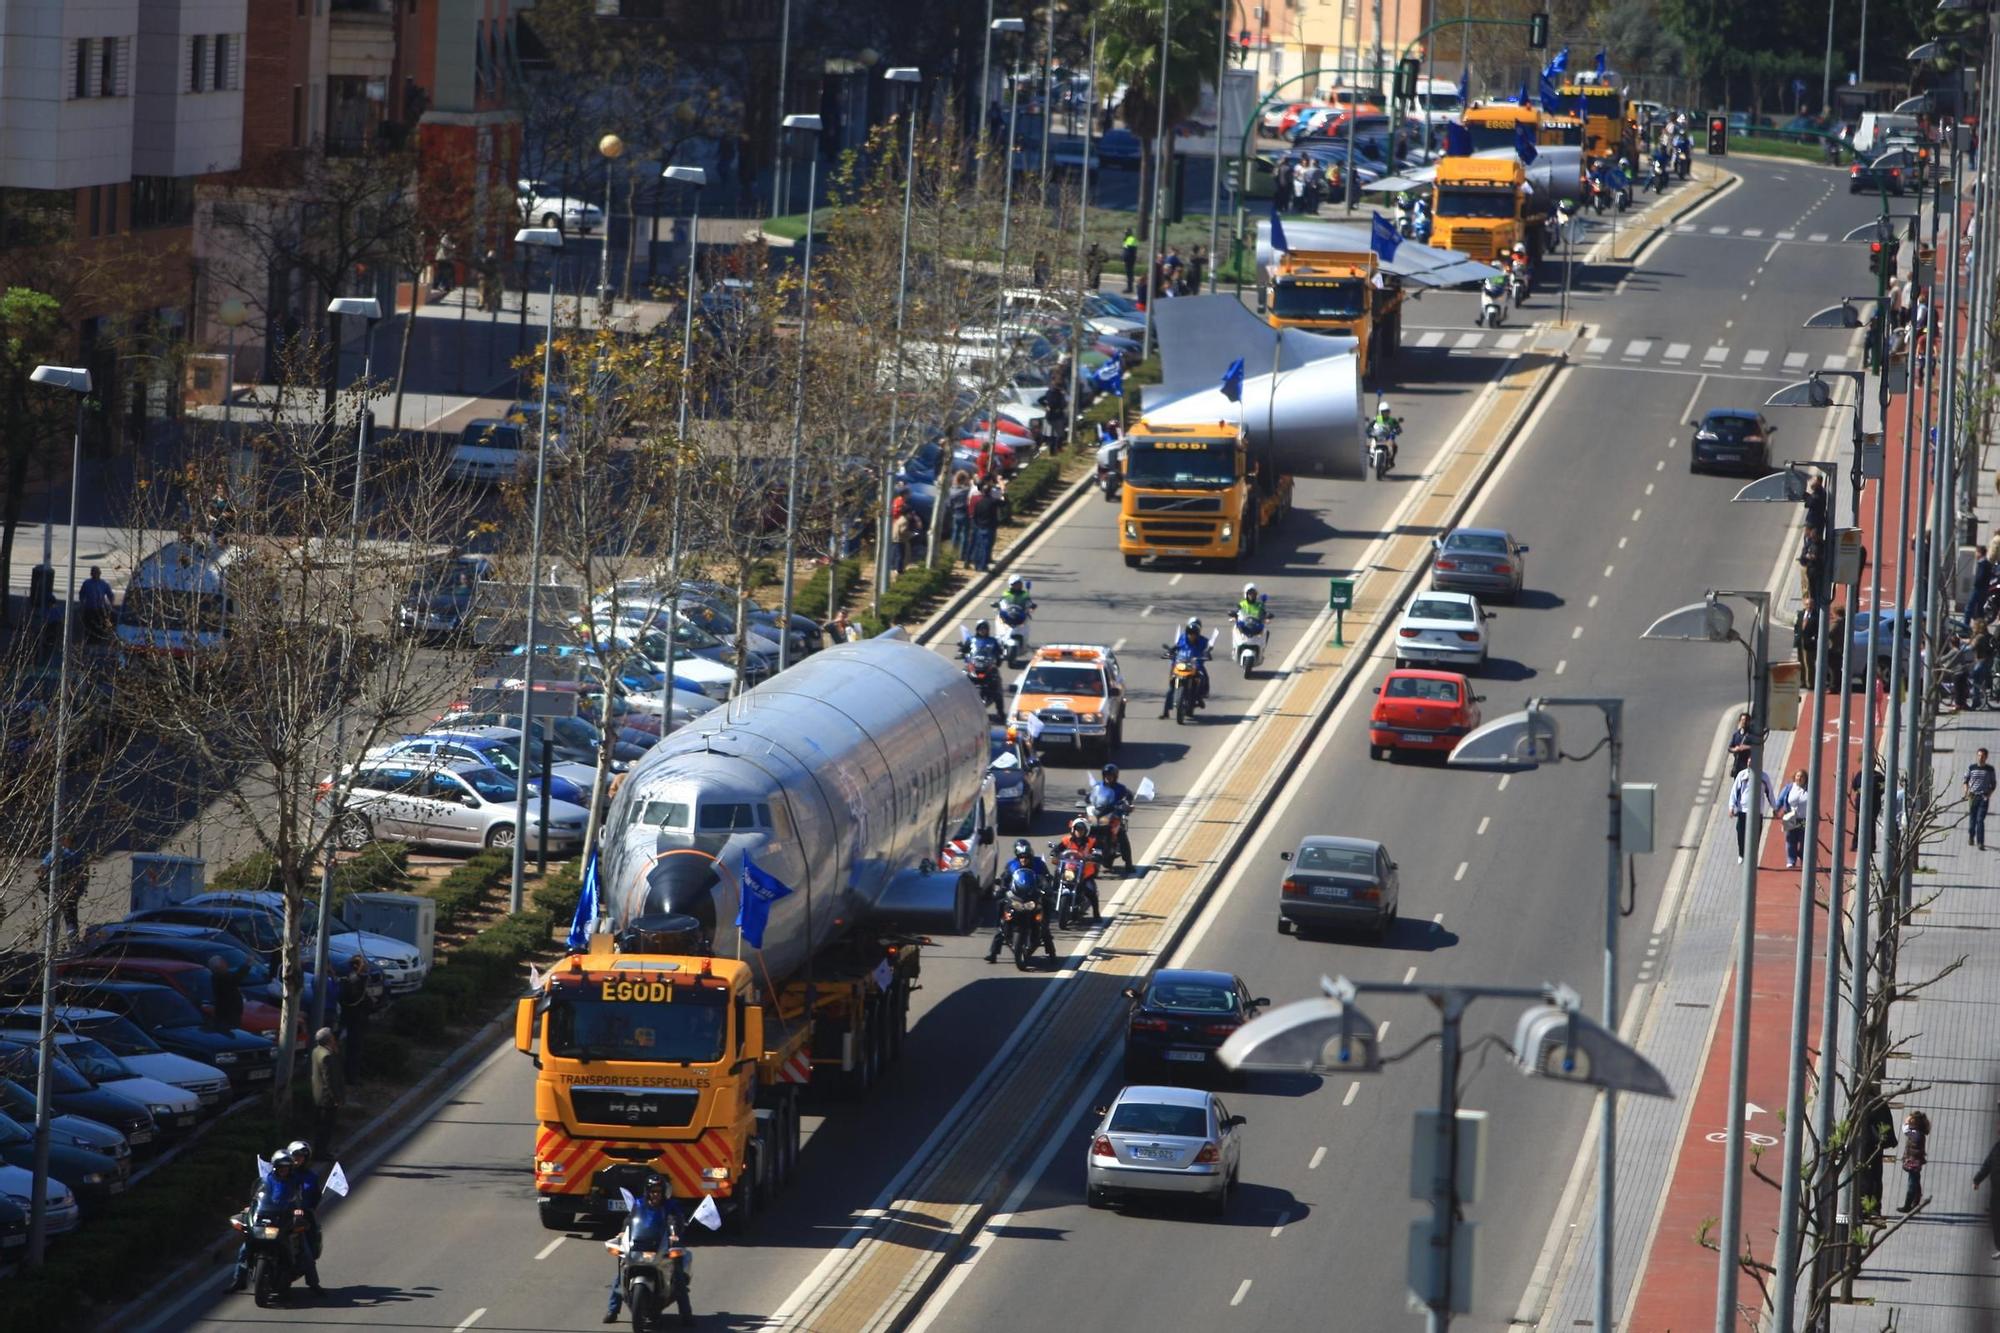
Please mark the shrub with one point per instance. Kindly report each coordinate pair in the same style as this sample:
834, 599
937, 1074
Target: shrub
385, 1055
558, 894
459, 893
421, 1016
255, 873
911, 594
1032, 484
810, 598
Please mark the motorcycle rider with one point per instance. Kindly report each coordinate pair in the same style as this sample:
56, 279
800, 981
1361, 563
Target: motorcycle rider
982, 642
1493, 291
1383, 426
312, 1187
654, 1223
1254, 605
1026, 876
1017, 595
1189, 640
280, 1190
1109, 792
1079, 841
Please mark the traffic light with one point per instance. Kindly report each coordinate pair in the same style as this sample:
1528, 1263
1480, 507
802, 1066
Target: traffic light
1407, 73
1718, 136
1875, 258
1538, 32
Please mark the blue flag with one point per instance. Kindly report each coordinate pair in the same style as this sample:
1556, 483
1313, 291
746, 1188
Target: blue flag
1559, 65
1524, 144
1110, 377
1232, 381
1464, 85
1600, 64
753, 911
586, 907
1383, 237
1457, 140
1278, 232
1521, 98
1553, 102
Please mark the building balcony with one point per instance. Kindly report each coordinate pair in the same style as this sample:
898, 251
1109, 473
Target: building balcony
361, 41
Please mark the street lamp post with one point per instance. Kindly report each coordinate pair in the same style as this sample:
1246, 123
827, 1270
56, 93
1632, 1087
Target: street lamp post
1708, 621
1215, 165
909, 77
807, 126
697, 177
1161, 165
74, 380
531, 238
1530, 738
611, 147
370, 312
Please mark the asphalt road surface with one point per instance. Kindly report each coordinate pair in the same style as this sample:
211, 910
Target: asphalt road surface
446, 1228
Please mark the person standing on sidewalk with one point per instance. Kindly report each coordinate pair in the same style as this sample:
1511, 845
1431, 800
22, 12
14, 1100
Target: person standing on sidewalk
1916, 1137
1130, 247
1741, 742
1750, 785
1805, 638
1854, 786
1979, 783
329, 1088
985, 516
1794, 806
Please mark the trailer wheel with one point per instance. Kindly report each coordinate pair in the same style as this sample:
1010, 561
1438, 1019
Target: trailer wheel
899, 1016
788, 1141
752, 1186
965, 911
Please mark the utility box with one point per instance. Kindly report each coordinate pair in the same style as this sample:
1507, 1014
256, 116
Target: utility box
1637, 802
1340, 594
1783, 691
1471, 1155
159, 880
1850, 556
408, 917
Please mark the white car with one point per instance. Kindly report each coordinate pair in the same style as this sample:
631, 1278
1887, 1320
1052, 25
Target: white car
402, 964
1447, 627
60, 1217
115, 1039
545, 205
174, 1109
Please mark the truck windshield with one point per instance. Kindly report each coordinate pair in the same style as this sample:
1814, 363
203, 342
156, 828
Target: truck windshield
1486, 136
1319, 298
626, 1019
1563, 134
1180, 463
1474, 202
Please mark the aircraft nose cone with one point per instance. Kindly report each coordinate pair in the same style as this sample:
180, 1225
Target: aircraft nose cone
684, 883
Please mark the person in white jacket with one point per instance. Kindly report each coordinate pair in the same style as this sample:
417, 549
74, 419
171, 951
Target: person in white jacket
1795, 808
1740, 796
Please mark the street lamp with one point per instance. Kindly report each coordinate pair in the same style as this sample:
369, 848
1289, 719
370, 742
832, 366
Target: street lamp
909, 77
698, 178
803, 126
611, 147
1709, 621
1530, 739
1160, 165
543, 238
1006, 217
1330, 1034
76, 380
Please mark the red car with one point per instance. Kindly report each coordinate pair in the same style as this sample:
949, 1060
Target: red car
1421, 710
192, 980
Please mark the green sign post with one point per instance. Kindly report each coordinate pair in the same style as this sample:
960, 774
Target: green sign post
1340, 600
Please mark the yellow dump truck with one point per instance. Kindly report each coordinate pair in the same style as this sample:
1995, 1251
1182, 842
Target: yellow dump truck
1197, 492
1343, 293
1606, 131
652, 1055
1481, 206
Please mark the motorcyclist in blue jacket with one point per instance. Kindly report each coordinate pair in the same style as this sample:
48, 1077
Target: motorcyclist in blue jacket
281, 1191
982, 641
1190, 639
654, 1218
1037, 883
1109, 793
311, 1189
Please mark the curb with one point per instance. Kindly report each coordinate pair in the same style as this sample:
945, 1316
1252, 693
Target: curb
911, 1303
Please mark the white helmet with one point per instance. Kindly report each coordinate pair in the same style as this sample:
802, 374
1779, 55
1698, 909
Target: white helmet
300, 1150
1381, 407
1520, 247
1194, 623
1250, 592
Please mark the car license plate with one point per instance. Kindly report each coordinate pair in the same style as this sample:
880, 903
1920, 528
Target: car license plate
1189, 1056
1155, 1154
1329, 891
1419, 737
1178, 550
616, 1205
140, 1136
115, 1187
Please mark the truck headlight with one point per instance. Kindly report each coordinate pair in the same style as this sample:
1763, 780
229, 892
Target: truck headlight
1091, 718
549, 1168
1228, 531
1131, 531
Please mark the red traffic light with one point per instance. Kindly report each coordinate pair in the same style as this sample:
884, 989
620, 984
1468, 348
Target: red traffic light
1717, 124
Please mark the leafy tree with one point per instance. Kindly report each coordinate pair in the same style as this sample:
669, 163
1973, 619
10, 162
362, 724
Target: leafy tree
1128, 53
32, 420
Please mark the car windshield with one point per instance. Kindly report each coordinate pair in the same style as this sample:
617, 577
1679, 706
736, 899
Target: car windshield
96, 1061
499, 435
1440, 608
490, 783
1190, 1122
1044, 678
1335, 860
1475, 201
13, 1131
1732, 428
1203, 463
18, 1062
1319, 298
159, 1007
1439, 101
688, 1029
1481, 543
1191, 997
1000, 752
1422, 687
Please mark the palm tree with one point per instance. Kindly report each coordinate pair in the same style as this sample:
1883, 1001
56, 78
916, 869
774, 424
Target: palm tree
1128, 52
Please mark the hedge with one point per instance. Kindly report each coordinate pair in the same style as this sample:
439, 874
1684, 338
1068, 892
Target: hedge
810, 598
461, 893
377, 866
910, 595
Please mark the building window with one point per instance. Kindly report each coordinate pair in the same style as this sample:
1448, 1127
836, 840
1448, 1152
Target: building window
225, 71
197, 79
107, 68
97, 67
97, 210
162, 201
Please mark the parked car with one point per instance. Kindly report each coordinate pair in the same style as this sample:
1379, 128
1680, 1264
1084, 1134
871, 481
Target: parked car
193, 944
401, 965
166, 1016
1118, 148
501, 751
131, 1053
436, 806
1421, 710
18, 1100
439, 600
1158, 1141
1334, 882
59, 1211
1179, 1016
94, 1176
191, 980
490, 450
72, 1093
544, 204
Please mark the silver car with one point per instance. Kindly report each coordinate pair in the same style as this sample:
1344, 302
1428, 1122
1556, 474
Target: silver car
1331, 883
1164, 1141
1479, 560
440, 806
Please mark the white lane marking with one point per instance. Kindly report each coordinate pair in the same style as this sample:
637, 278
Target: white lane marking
1505, 778
549, 1248
1484, 821
1147, 612
1687, 413
1718, 231
1817, 236
1596, 347
1438, 919
1591, 605
1319, 1155
1784, 236
1382, 1032
1175, 580
1753, 231
1796, 360
1118, 646
1728, 324
1352, 1089
1685, 227
470, 1320
1431, 339
1562, 666
1608, 569
1661, 466
1576, 633
1649, 488
1836, 362
1241, 1291
1507, 342
1283, 1218
1467, 341
1755, 357
1746, 296
1637, 348
1410, 975
1459, 873
1677, 351
1714, 355
1636, 513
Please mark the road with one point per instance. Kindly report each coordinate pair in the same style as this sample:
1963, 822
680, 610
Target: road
447, 1221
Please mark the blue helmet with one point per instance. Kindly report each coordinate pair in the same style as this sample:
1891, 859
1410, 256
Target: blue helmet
1024, 879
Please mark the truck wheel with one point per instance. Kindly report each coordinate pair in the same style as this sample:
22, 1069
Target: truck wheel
965, 910
1131, 562
557, 1216
754, 1186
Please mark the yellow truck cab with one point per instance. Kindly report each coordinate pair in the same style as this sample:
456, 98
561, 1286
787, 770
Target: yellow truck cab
1481, 206
1495, 124
1606, 131
1560, 131
1196, 492
1341, 293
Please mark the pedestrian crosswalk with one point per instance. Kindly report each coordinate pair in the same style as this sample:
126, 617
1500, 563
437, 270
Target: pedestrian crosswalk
1751, 233
1717, 358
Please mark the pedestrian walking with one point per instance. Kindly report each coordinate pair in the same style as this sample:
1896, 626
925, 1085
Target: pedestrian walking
984, 508
98, 601
356, 1006
1093, 267
1975, 597
1749, 786
1916, 1138
1794, 809
1854, 785
1983, 648
902, 528
840, 629
1040, 268
956, 504
1836, 649
329, 1089
1805, 638
1741, 742
70, 885
1130, 246
226, 1012
1979, 783
1197, 269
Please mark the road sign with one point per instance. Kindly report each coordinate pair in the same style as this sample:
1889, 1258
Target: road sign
1340, 595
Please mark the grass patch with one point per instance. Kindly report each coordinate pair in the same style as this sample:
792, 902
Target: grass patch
1787, 148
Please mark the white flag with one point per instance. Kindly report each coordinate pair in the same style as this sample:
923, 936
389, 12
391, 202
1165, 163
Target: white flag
964, 634
883, 975
336, 1181
263, 1169
708, 1214
535, 978
625, 1197
1032, 723
1146, 790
